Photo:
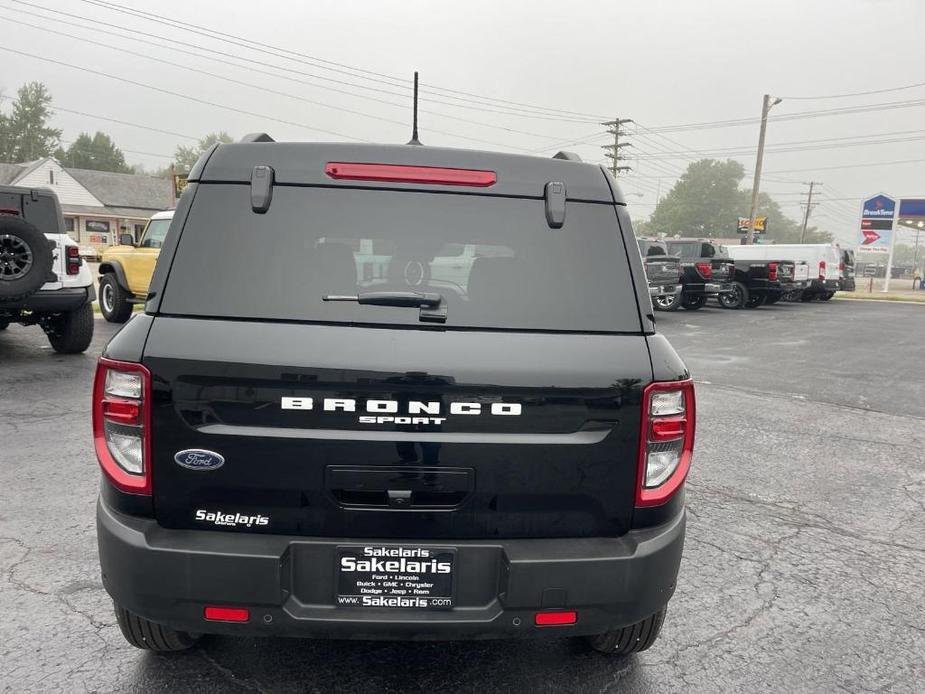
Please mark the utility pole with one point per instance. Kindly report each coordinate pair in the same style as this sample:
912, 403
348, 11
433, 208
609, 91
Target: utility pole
809, 208
765, 107
613, 151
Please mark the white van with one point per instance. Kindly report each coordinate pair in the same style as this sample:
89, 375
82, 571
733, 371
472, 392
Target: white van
823, 260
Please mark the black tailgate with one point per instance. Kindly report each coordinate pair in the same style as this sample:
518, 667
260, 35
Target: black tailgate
544, 446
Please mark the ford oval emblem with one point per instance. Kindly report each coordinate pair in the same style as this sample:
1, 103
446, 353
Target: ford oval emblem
198, 459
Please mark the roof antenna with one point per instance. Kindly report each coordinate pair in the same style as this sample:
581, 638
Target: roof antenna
414, 128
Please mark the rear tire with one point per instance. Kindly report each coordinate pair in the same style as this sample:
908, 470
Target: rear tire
114, 303
755, 300
736, 298
806, 297
694, 303
149, 636
632, 639
827, 295
71, 333
667, 303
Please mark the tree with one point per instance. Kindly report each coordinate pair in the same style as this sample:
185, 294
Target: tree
186, 157
707, 201
24, 134
98, 153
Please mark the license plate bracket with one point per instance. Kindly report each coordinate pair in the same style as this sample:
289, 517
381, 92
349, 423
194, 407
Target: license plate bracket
395, 577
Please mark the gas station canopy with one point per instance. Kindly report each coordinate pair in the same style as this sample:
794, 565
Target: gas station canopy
911, 213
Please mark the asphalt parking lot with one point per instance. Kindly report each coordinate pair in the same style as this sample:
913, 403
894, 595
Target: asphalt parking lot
804, 569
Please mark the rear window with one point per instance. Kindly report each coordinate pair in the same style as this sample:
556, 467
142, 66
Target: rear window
648, 248
696, 249
495, 260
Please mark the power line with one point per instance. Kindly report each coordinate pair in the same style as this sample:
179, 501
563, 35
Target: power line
179, 94
849, 94
802, 146
259, 87
735, 122
852, 166
528, 111
204, 53
377, 76
55, 105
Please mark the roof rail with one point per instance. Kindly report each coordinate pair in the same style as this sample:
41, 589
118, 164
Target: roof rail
256, 137
568, 156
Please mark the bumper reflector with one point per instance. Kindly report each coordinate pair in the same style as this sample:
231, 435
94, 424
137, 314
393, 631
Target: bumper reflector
227, 614
556, 619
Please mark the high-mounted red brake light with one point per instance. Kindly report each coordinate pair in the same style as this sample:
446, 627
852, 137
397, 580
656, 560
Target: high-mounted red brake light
122, 424
397, 173
666, 440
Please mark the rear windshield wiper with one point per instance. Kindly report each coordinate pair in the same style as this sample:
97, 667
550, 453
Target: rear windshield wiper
432, 305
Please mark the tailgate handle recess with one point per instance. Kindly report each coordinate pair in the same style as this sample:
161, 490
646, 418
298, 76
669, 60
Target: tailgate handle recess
399, 487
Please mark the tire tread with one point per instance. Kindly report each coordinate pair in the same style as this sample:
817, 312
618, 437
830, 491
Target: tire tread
630, 639
150, 636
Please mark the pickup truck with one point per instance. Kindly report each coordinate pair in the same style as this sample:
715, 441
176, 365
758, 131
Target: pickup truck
706, 270
758, 282
663, 273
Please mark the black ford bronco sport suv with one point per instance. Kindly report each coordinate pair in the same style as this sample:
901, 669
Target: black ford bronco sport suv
394, 392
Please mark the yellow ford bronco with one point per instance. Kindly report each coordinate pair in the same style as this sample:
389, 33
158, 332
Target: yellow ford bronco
126, 269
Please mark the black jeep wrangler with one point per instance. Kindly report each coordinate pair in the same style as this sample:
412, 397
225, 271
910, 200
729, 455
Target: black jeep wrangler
394, 392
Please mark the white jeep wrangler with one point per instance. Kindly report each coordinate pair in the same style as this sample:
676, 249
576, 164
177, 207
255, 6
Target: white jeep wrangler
43, 280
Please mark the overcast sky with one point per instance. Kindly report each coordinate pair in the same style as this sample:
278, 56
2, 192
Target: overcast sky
565, 64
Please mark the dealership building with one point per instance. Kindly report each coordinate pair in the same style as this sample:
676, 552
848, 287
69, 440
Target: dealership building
97, 205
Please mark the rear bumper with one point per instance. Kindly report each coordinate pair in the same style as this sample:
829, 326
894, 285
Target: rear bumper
53, 301
818, 285
288, 582
708, 288
664, 289
792, 285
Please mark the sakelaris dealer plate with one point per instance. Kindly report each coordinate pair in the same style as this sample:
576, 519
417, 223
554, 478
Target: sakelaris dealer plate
395, 577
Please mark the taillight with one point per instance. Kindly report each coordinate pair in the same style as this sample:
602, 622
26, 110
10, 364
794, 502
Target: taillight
841, 268
122, 424
72, 260
772, 271
397, 173
705, 269
666, 441
822, 269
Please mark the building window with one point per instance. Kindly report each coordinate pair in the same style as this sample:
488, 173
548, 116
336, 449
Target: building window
69, 224
97, 225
